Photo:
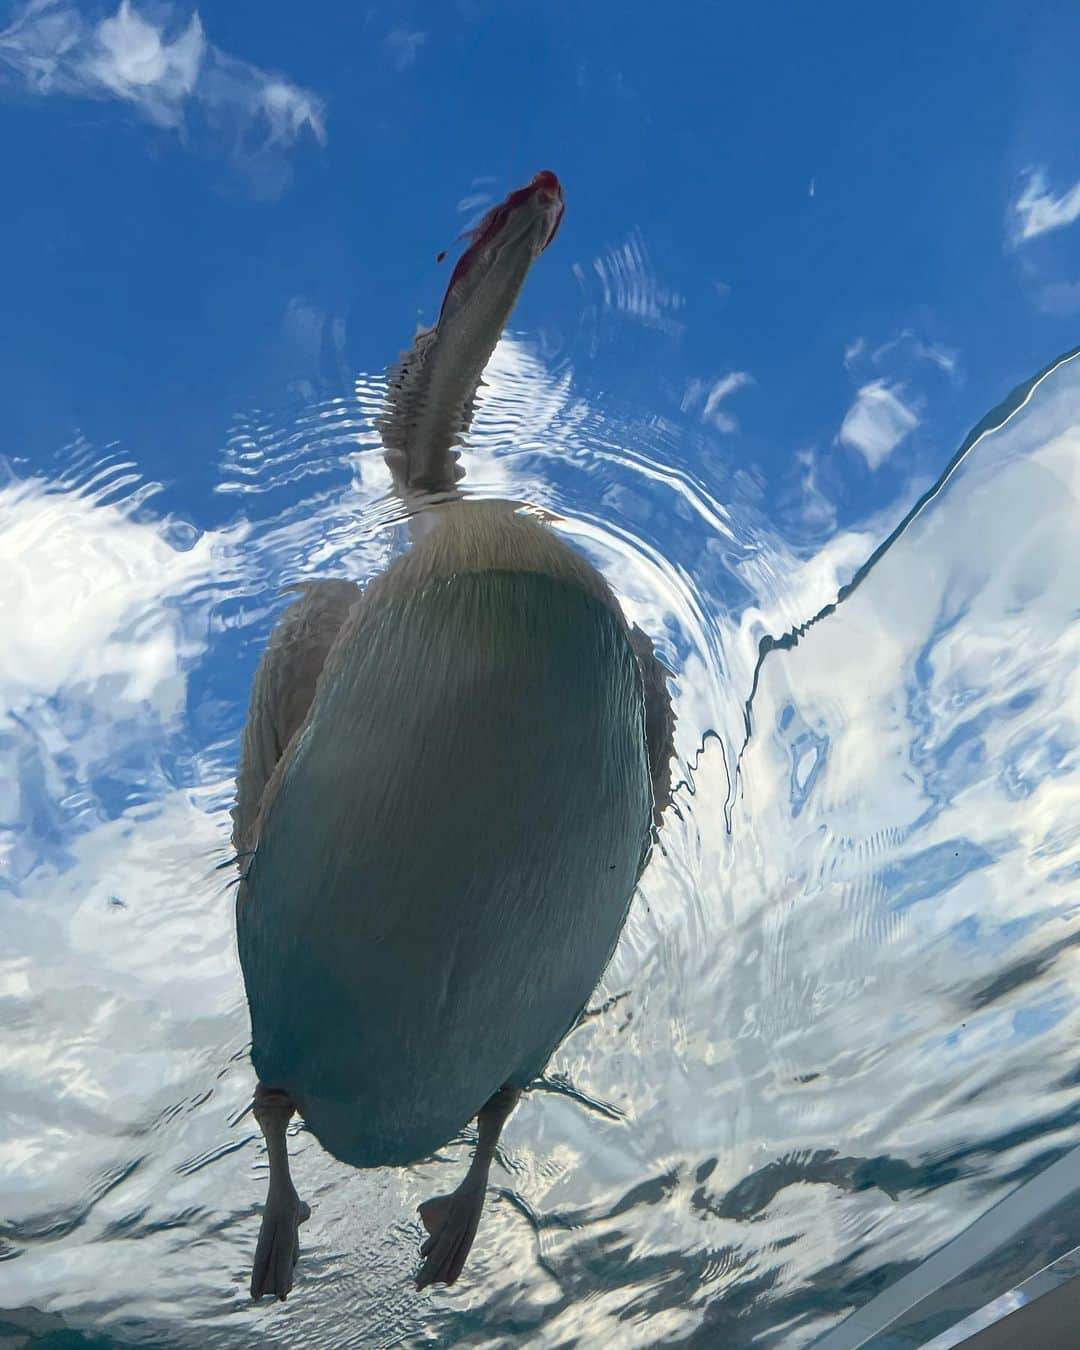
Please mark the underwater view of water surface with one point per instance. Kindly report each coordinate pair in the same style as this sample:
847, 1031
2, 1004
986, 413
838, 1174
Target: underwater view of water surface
798, 375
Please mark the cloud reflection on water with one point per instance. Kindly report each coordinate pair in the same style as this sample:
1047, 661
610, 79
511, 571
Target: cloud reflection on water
829, 1037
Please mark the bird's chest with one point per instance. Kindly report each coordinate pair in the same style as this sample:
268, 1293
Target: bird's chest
463, 820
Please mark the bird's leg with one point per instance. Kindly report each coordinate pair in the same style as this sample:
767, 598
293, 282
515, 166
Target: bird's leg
279, 1246
452, 1220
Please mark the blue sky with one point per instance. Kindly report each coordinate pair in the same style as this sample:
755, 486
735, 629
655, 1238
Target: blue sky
767, 215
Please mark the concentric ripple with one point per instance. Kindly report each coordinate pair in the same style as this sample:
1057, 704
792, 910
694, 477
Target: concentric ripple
841, 1020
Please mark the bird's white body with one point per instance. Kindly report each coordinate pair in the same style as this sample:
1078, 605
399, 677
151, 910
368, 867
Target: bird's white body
447, 850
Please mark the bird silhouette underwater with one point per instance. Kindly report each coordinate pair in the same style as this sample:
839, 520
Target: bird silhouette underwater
449, 786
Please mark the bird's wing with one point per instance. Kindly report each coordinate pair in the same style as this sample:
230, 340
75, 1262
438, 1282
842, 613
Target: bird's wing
659, 719
283, 691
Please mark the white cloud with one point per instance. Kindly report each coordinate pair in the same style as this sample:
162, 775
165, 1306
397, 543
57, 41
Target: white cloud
877, 421
853, 351
713, 395
61, 552
97, 648
1037, 211
171, 75
403, 46
722, 388
131, 59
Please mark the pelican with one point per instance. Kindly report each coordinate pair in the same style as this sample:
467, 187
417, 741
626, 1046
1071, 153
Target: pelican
450, 783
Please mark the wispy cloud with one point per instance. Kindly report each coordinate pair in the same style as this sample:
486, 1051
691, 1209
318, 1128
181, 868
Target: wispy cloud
168, 71
475, 201
877, 421
854, 351
1037, 211
905, 349
1061, 298
942, 357
711, 395
402, 47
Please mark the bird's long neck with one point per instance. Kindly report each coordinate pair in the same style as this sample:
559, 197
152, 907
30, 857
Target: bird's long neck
432, 389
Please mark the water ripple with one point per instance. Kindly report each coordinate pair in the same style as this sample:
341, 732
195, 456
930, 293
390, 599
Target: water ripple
810, 1060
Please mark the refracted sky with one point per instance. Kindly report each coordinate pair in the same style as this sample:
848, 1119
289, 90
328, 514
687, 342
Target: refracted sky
805, 250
